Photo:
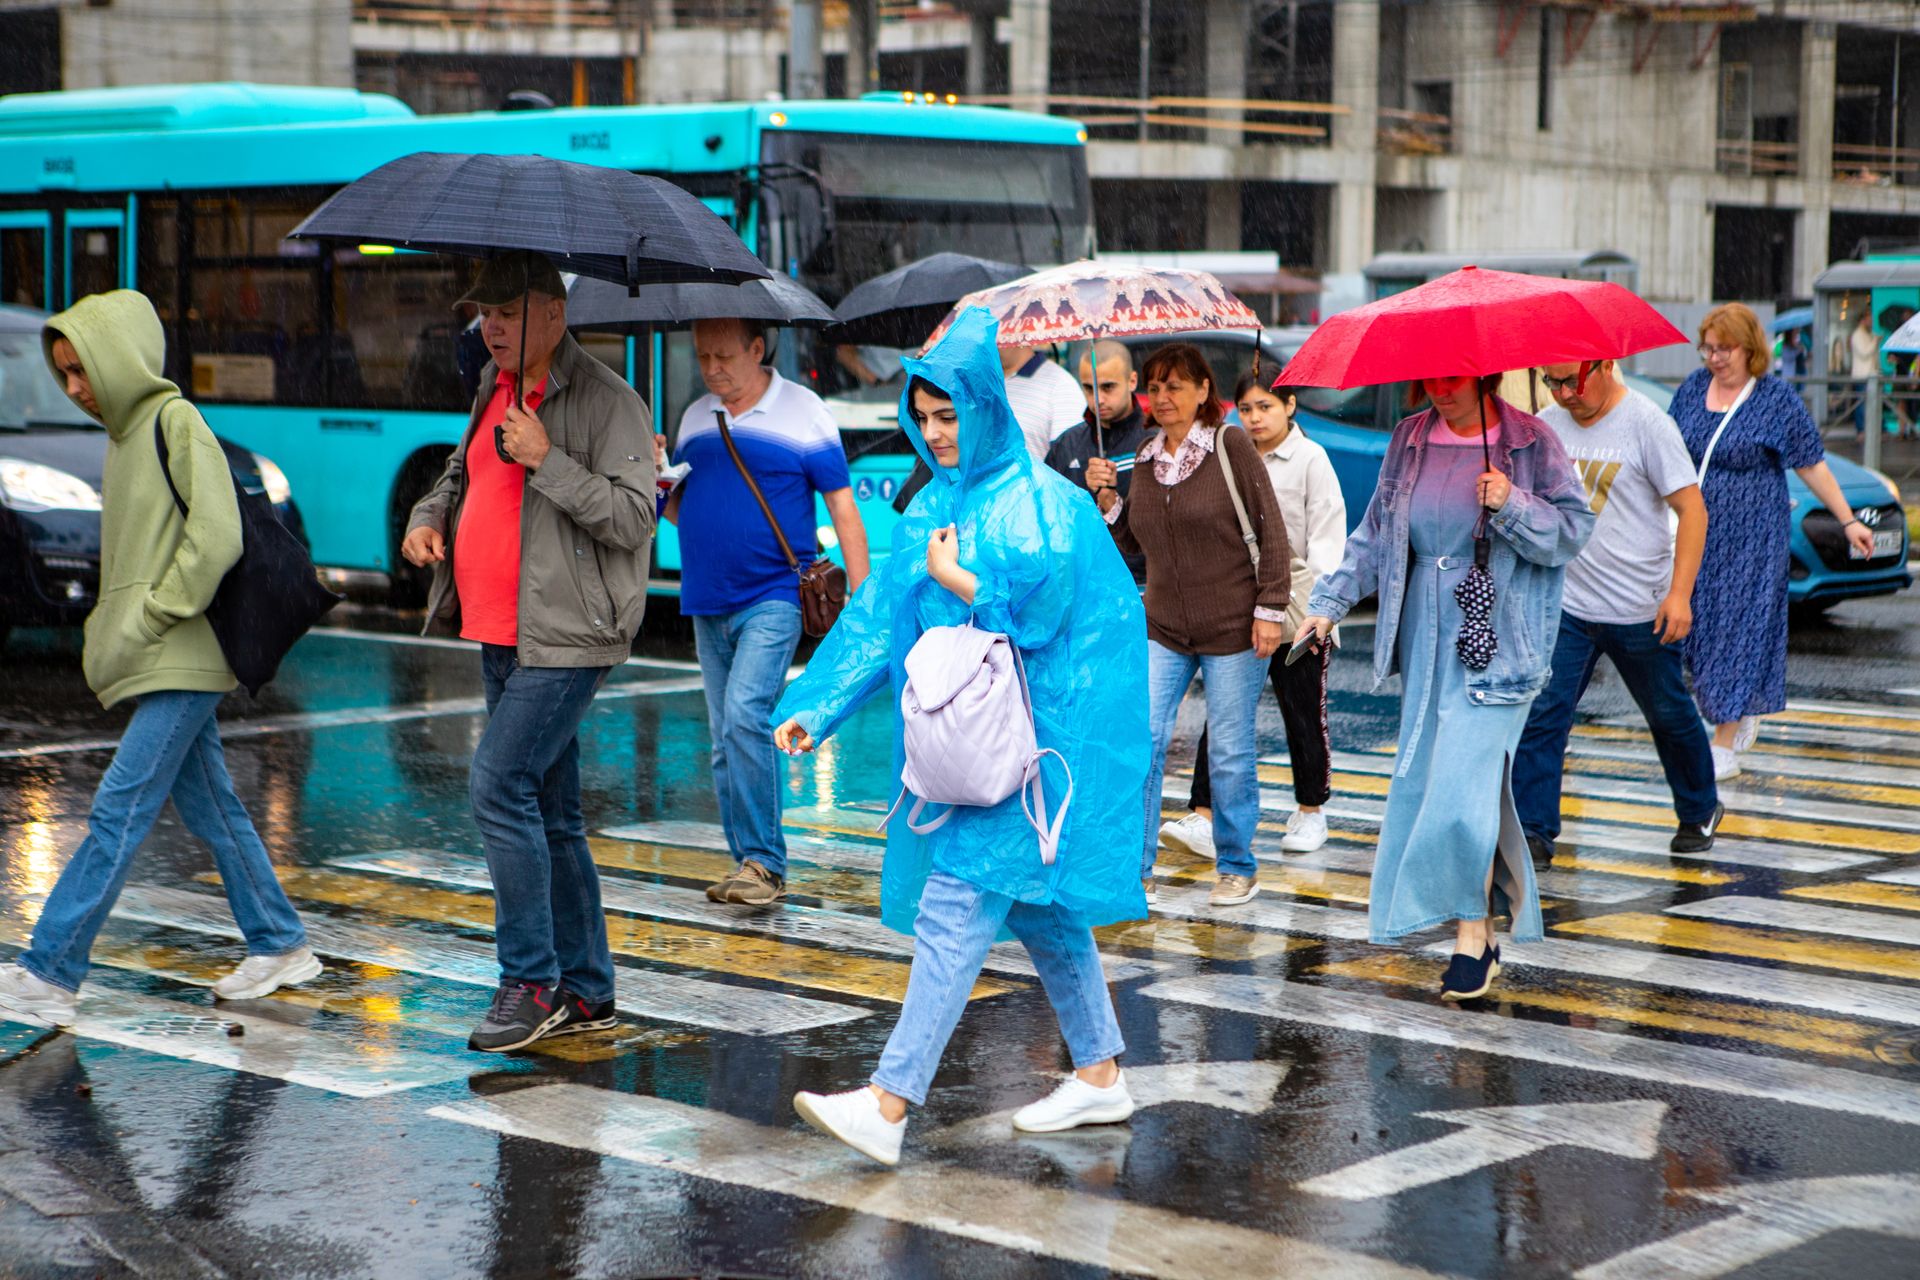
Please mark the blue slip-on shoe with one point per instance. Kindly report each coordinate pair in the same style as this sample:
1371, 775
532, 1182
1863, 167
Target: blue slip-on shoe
1469, 977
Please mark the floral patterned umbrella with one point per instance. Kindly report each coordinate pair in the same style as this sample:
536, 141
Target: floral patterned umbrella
1086, 300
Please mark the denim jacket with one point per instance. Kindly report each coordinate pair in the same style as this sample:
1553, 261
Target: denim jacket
1542, 527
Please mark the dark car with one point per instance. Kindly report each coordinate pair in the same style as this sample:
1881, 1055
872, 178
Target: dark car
52, 456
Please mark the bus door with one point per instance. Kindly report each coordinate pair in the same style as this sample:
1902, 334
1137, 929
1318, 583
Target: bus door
26, 258
97, 253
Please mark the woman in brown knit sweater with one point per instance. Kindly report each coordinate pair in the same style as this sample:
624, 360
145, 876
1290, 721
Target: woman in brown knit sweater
1215, 604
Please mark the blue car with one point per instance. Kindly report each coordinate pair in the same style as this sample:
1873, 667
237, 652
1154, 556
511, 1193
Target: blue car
52, 456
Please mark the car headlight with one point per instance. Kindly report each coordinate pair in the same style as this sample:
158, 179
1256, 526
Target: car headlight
272, 479
1893, 490
33, 486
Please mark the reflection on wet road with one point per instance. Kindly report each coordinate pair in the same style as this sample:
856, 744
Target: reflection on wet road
1711, 1065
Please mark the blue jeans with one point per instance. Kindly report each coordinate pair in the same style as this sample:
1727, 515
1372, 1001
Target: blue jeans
1652, 673
743, 661
956, 924
1234, 681
525, 788
171, 747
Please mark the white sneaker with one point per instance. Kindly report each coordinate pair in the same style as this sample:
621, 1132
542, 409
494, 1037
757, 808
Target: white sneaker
854, 1118
263, 975
1305, 832
1076, 1103
1192, 834
23, 994
1726, 763
1746, 733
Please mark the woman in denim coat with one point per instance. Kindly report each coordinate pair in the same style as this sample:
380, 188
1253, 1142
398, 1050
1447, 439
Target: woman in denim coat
1451, 843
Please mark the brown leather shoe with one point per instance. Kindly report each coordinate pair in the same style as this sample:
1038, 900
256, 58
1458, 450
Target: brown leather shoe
750, 885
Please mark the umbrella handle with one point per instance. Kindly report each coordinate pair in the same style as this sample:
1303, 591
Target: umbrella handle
520, 374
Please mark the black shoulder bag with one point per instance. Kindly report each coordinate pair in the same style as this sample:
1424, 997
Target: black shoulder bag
271, 596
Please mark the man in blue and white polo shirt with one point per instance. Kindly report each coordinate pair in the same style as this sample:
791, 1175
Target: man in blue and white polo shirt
737, 585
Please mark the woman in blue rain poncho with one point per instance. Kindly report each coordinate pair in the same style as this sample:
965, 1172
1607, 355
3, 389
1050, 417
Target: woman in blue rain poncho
1020, 551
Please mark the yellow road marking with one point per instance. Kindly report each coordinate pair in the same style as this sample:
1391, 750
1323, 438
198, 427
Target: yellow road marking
1756, 943
1845, 755
1642, 870
1805, 1033
744, 955
1843, 719
1864, 893
703, 865
1198, 938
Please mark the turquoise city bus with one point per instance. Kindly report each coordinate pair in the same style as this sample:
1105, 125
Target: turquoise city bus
339, 361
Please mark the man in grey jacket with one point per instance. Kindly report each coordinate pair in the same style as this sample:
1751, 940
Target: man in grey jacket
539, 531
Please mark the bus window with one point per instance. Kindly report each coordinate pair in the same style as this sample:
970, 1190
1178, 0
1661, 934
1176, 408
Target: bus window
395, 330
248, 328
23, 266
95, 262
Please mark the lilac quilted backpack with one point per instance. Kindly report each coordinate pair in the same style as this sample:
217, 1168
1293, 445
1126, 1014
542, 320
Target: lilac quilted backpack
969, 732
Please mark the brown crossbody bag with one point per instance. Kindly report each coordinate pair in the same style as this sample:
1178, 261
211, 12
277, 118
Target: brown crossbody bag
823, 584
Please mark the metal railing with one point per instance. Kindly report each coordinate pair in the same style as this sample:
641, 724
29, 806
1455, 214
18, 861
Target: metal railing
1226, 120
1758, 159
1869, 404
497, 13
1876, 166
1414, 133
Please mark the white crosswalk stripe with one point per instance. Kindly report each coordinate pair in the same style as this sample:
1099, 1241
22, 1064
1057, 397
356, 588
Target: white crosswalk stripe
1603, 890
1807, 917
1097, 1231
1905, 875
1763, 764
206, 1034
1579, 1048
669, 997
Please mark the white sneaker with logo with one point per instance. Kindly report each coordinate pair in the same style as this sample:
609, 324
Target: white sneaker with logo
1746, 733
28, 997
263, 975
1192, 834
1076, 1103
854, 1118
1305, 832
1726, 763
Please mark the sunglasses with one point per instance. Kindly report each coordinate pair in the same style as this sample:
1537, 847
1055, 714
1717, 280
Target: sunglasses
1708, 351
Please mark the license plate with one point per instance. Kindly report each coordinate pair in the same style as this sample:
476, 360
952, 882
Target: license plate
1886, 542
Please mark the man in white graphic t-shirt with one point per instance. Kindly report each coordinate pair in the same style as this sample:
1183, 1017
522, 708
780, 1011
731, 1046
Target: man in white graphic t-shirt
1628, 597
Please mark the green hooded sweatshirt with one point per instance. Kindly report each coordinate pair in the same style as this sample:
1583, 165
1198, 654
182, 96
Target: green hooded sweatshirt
158, 570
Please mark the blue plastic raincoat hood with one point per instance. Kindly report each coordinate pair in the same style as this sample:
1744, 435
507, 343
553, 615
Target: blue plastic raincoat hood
1050, 579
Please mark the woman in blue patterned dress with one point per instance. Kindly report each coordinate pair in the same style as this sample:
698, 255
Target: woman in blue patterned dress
1738, 647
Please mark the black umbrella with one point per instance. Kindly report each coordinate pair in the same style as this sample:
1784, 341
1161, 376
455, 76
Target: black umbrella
601, 307
587, 219
900, 308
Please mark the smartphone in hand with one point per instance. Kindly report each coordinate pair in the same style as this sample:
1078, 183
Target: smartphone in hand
1308, 643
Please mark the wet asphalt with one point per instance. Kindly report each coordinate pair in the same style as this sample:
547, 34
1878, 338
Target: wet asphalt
1711, 1068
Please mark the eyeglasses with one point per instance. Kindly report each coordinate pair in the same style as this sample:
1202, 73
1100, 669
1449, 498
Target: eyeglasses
1577, 383
1708, 351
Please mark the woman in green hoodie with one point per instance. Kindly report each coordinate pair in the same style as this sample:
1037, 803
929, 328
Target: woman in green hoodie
148, 639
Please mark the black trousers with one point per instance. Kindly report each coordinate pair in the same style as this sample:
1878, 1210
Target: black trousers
1302, 691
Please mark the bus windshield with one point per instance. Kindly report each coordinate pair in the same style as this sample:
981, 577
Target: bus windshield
894, 199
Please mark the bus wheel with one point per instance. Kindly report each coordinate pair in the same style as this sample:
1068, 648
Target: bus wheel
408, 583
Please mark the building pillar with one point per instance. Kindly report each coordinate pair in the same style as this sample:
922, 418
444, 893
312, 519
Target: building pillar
1223, 216
863, 46
1228, 22
1030, 52
1819, 82
1356, 86
980, 42
806, 76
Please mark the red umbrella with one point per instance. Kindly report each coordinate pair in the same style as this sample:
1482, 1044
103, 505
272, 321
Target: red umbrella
1476, 321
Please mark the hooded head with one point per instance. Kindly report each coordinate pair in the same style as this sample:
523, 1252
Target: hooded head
965, 365
123, 348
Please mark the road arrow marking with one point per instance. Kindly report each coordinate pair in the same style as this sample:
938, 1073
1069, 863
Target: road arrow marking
1245, 1087
1494, 1135
1774, 1217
